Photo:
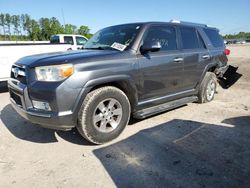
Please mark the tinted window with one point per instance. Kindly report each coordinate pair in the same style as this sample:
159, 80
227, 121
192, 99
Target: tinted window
54, 39
166, 35
68, 40
80, 40
214, 37
189, 38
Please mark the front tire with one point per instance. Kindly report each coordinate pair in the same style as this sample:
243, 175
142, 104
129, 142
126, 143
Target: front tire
104, 114
207, 88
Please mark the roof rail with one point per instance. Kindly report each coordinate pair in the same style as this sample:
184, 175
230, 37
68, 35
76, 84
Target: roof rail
188, 23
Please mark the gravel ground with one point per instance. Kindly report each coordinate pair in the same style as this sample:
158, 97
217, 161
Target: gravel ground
196, 145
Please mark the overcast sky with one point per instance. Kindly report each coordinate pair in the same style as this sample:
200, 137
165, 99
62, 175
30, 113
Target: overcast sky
229, 16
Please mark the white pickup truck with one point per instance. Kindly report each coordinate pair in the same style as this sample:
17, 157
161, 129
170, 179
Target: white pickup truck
76, 41
10, 52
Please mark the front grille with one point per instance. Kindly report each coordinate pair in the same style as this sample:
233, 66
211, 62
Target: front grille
16, 98
18, 73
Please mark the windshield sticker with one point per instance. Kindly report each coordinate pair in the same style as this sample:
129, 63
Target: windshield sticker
118, 46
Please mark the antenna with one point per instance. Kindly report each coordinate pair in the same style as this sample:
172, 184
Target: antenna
63, 17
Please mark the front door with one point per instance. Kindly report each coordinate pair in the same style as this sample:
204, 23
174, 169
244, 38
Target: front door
161, 71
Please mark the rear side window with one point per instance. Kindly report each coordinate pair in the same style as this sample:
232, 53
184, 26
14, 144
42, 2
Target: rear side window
166, 35
214, 37
189, 38
68, 40
54, 39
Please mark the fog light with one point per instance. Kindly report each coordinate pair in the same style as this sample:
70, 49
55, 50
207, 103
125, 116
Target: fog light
41, 105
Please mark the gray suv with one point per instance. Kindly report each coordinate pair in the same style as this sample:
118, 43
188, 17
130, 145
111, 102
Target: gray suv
137, 69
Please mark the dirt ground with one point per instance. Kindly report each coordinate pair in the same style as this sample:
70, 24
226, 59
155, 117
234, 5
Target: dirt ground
193, 146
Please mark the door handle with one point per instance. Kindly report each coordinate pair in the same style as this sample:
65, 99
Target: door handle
205, 56
178, 60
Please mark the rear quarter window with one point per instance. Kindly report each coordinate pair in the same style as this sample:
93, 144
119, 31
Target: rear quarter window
214, 37
55, 40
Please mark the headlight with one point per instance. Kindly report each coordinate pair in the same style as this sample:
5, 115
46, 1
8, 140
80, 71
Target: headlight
54, 72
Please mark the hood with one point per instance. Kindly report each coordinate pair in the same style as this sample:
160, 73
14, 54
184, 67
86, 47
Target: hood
73, 57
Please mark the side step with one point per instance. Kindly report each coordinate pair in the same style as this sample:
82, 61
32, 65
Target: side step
163, 107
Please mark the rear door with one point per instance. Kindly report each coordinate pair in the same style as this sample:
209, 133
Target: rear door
68, 40
161, 71
196, 56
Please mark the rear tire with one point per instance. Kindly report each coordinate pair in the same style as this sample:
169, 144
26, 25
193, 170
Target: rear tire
207, 88
104, 114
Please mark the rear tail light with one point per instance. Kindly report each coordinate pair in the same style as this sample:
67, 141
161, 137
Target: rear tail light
227, 52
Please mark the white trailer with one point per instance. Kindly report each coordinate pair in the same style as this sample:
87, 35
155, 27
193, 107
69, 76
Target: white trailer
10, 53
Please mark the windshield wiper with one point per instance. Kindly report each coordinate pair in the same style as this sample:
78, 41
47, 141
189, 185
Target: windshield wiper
102, 48
98, 48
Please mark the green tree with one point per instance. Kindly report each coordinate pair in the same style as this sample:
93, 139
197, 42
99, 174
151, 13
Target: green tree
26, 22
70, 29
8, 23
55, 27
24, 27
34, 31
83, 30
2, 23
15, 20
45, 28
89, 35
240, 35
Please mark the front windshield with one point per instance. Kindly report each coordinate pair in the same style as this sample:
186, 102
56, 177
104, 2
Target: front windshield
117, 37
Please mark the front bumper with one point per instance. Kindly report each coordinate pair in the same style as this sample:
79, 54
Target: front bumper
21, 102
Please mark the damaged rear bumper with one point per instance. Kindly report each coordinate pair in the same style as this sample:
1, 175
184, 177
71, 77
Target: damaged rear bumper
227, 76
221, 71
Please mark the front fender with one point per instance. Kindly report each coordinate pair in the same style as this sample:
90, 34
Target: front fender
107, 79
124, 82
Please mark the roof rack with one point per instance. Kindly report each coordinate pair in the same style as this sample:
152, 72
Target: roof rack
188, 23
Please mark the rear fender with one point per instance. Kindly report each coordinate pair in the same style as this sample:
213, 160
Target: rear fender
207, 68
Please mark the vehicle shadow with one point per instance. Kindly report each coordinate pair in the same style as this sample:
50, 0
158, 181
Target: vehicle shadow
28, 131
3, 87
238, 121
25, 130
182, 153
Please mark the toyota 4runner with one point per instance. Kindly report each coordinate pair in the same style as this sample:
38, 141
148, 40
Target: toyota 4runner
137, 69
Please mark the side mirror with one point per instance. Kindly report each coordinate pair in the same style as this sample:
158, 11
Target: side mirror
152, 46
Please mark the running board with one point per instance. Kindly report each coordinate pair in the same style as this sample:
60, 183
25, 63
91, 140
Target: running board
163, 107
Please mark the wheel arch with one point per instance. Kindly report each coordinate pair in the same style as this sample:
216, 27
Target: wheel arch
209, 68
122, 82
